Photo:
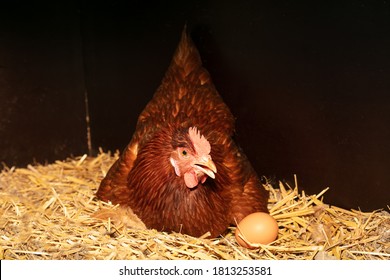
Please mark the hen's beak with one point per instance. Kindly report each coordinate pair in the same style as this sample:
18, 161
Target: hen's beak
207, 166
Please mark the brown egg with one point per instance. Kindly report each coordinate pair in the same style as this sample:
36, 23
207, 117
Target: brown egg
257, 228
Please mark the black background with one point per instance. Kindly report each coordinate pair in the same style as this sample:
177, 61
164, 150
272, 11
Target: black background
307, 80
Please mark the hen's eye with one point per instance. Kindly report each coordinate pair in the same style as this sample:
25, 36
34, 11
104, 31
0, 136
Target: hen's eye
184, 152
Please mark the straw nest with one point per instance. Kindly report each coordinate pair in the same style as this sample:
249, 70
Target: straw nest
49, 212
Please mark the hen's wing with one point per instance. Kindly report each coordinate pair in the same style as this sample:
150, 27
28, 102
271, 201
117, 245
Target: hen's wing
114, 185
186, 97
239, 181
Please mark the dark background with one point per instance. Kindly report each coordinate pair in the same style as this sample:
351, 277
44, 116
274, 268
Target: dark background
307, 80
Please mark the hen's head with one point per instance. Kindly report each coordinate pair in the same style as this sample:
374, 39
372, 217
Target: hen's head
191, 158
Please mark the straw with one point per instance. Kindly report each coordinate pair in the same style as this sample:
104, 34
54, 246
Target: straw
51, 212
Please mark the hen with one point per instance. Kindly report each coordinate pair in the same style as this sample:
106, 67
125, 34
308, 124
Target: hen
181, 170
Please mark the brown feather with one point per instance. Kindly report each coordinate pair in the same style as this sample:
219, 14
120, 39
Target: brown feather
143, 178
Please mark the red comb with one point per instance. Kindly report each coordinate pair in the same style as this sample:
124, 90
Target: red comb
202, 146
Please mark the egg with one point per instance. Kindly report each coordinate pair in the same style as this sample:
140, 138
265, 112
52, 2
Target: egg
257, 227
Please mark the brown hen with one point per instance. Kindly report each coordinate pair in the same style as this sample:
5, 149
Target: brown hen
181, 170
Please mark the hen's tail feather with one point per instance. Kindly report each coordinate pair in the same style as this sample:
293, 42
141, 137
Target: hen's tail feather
186, 55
